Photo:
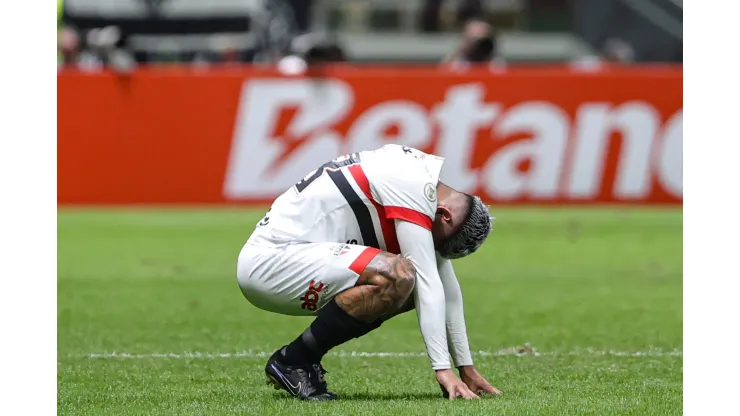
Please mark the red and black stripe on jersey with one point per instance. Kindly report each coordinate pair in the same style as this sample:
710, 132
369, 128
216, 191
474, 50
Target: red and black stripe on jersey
362, 211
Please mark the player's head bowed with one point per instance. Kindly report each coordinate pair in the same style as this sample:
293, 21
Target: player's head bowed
471, 233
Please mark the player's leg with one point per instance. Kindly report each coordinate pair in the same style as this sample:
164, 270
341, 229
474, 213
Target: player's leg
362, 287
300, 279
382, 290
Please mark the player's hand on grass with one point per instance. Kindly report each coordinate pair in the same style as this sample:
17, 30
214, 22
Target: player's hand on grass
453, 387
476, 382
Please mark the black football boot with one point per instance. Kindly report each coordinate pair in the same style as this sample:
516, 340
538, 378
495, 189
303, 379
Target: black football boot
302, 381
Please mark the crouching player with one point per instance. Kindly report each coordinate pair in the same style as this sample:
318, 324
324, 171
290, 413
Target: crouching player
363, 238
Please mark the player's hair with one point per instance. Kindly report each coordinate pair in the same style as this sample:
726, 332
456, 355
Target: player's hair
472, 233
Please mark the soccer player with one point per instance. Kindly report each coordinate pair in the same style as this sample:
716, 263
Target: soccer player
361, 239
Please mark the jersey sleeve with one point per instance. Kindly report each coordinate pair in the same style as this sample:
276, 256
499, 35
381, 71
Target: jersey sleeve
457, 336
406, 194
429, 297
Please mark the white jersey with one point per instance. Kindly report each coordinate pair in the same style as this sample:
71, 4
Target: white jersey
355, 199
319, 235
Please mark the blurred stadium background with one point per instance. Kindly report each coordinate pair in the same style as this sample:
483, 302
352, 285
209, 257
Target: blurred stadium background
180, 120
160, 31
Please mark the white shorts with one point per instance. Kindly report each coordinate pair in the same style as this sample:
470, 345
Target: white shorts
300, 278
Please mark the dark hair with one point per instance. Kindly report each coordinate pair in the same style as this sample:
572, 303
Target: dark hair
472, 233
482, 50
317, 48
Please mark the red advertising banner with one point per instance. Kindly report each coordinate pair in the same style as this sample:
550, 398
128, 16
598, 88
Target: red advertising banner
240, 135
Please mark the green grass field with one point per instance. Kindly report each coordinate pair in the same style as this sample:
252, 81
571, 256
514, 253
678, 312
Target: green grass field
597, 295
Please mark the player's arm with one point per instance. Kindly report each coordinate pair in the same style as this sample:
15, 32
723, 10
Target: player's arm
457, 336
416, 244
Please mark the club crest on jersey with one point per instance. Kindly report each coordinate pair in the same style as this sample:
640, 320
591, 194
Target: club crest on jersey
340, 249
430, 192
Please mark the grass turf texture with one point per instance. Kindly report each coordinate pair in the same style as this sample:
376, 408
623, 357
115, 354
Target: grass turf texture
155, 282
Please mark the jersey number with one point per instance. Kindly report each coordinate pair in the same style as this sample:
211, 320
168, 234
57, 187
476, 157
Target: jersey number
265, 220
337, 163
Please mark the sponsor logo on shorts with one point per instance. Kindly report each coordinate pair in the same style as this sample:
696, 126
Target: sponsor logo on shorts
311, 298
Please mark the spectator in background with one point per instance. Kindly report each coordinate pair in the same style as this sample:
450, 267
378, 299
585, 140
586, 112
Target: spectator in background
72, 53
310, 50
276, 24
477, 45
105, 43
68, 46
618, 51
467, 9
96, 50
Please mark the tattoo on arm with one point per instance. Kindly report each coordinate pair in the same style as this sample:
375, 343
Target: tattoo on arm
382, 290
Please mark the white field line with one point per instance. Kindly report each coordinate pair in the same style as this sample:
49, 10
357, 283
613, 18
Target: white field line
508, 352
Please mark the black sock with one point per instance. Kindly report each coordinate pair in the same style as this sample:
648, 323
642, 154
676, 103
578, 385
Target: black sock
332, 326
